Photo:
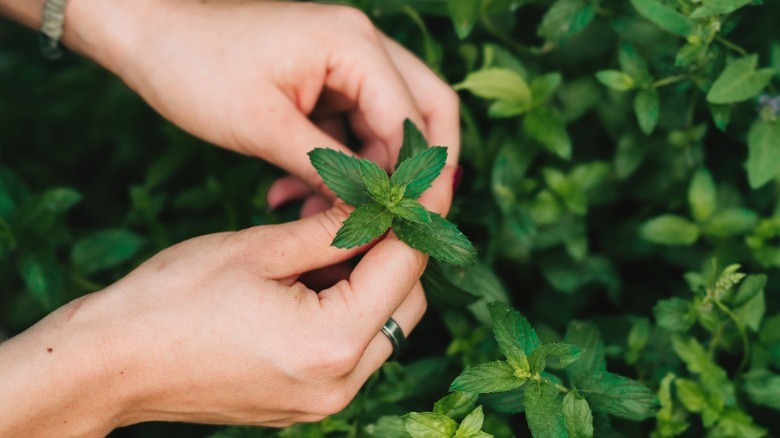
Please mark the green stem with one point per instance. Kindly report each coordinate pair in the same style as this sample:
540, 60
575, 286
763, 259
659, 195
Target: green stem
740, 329
561, 388
731, 45
669, 80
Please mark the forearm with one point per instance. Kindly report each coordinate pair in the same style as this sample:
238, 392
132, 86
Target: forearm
103, 30
56, 379
26, 12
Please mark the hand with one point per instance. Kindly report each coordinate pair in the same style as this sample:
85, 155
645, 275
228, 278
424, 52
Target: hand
268, 78
217, 329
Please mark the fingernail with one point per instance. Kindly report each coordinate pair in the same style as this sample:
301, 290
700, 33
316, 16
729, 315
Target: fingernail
456, 178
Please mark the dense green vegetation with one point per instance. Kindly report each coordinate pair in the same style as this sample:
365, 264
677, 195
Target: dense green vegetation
621, 163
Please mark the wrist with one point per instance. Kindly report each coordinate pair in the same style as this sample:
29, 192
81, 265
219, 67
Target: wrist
106, 31
60, 376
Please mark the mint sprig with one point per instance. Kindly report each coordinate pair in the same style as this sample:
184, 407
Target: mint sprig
382, 202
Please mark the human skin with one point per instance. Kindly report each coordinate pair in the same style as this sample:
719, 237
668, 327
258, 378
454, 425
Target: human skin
218, 329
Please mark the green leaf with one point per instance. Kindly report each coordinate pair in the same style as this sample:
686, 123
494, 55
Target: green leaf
548, 129
739, 81
591, 361
620, 396
664, 17
566, 18
542, 87
564, 353
105, 249
669, 422
507, 402
497, 83
579, 419
748, 289
647, 108
365, 224
341, 174
58, 200
615, 79
669, 230
752, 312
514, 335
675, 314
763, 162
429, 425
457, 404
413, 143
441, 290
544, 410
693, 397
388, 426
412, 211
376, 182
702, 196
735, 423
464, 14
472, 424
43, 278
440, 239
487, 378
721, 115
418, 172
501, 109
763, 388
730, 222
718, 7
633, 64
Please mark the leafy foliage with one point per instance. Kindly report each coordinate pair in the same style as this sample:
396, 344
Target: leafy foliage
382, 202
621, 164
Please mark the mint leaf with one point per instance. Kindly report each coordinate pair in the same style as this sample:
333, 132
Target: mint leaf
675, 314
591, 361
763, 152
412, 211
718, 7
486, 378
739, 81
440, 239
615, 79
105, 249
565, 353
414, 142
647, 109
670, 230
376, 182
579, 418
472, 424
341, 174
763, 388
497, 83
544, 410
702, 195
440, 289
429, 425
418, 172
388, 426
664, 16
365, 224
620, 396
514, 334
456, 404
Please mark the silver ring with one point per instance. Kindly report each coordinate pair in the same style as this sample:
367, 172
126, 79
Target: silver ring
393, 331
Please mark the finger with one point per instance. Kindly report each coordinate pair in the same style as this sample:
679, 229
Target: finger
287, 189
315, 204
287, 250
380, 349
435, 99
367, 77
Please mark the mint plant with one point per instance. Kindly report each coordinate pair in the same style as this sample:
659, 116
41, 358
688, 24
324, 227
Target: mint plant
552, 408
382, 202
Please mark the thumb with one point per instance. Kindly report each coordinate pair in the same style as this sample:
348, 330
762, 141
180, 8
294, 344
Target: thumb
293, 248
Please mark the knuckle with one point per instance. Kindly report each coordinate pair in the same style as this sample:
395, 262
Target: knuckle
356, 20
332, 401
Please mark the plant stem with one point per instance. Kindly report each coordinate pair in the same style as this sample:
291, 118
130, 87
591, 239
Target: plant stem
731, 45
740, 329
669, 80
